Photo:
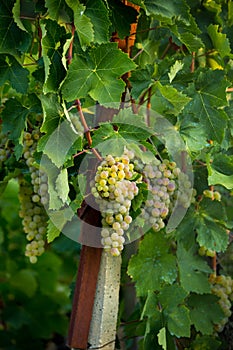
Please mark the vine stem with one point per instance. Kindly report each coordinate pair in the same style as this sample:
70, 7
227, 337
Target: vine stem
192, 67
214, 263
77, 103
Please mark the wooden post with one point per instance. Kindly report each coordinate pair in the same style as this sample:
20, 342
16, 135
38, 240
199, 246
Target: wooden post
102, 333
84, 297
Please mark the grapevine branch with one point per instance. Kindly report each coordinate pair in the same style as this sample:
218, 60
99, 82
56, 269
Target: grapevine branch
77, 103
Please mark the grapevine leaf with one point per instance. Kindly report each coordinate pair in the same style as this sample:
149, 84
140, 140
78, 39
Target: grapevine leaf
98, 13
58, 220
193, 134
219, 40
175, 68
169, 11
162, 338
154, 263
179, 322
141, 80
52, 232
14, 120
57, 9
52, 113
168, 304
223, 163
190, 40
204, 312
208, 98
13, 40
59, 144
211, 235
62, 185
206, 342
97, 74
53, 39
12, 71
193, 271
16, 15
220, 171
167, 99
83, 24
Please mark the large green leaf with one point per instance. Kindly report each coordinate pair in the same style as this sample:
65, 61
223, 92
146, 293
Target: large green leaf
204, 312
208, 100
167, 99
14, 73
98, 74
211, 235
57, 9
220, 170
193, 271
220, 41
154, 263
53, 39
141, 79
169, 306
14, 120
83, 24
97, 11
168, 11
13, 40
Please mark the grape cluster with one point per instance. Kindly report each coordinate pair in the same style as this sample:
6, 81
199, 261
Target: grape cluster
38, 177
117, 183
34, 220
214, 195
114, 190
222, 286
33, 197
4, 151
159, 176
203, 251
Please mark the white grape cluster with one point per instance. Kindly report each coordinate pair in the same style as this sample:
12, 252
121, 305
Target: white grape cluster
222, 286
116, 185
4, 151
38, 177
33, 197
159, 176
114, 190
34, 220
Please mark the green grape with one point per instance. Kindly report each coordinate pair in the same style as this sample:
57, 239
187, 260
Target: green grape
34, 222
33, 197
114, 189
114, 192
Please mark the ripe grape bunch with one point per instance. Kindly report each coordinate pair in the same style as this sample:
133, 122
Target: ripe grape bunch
33, 197
34, 220
114, 190
222, 286
116, 186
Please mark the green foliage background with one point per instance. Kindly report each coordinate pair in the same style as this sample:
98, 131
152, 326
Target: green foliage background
182, 61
